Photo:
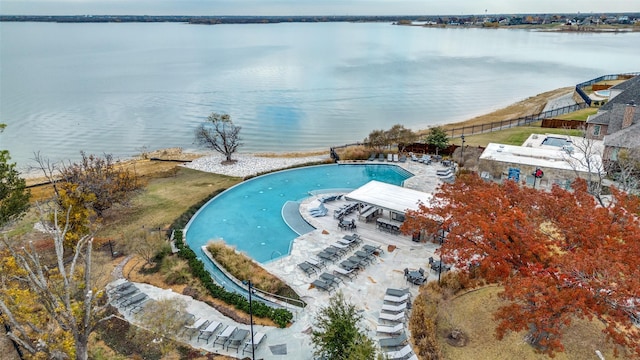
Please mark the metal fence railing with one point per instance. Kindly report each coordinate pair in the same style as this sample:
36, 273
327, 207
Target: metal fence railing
506, 124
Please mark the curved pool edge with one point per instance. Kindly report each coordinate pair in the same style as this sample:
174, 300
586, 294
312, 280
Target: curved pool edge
218, 274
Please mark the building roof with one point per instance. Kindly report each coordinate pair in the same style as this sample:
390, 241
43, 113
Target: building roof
630, 92
544, 158
613, 118
626, 138
389, 197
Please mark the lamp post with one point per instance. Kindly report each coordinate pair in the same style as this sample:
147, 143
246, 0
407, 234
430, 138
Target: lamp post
462, 150
248, 283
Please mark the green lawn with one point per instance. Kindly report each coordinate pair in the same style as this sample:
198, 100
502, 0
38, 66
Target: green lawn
579, 115
513, 136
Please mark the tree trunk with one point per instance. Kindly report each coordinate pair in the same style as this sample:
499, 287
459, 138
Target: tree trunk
82, 351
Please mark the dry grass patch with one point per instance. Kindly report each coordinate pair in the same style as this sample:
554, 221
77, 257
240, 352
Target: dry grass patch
472, 312
241, 266
162, 201
357, 152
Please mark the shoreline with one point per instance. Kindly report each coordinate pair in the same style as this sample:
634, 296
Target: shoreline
152, 163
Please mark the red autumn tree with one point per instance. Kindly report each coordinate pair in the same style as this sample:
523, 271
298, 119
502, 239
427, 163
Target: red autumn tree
559, 254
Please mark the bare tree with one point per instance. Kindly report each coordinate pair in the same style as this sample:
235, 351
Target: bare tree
145, 245
219, 134
51, 308
585, 158
165, 318
627, 169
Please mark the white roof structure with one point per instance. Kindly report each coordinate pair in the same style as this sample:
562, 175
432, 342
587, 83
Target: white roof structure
550, 158
389, 197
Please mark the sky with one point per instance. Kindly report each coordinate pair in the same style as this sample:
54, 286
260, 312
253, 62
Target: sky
311, 7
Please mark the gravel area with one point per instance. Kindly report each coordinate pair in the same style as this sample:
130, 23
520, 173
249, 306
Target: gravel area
248, 164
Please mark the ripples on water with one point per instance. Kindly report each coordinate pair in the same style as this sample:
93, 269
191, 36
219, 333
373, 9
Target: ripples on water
118, 87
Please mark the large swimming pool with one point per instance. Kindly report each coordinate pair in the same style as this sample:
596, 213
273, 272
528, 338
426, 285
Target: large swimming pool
248, 215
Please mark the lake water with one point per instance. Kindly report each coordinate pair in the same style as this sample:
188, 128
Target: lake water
118, 88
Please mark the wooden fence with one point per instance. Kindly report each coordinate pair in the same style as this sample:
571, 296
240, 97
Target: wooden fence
563, 124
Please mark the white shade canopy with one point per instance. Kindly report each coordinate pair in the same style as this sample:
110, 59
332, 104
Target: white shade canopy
388, 197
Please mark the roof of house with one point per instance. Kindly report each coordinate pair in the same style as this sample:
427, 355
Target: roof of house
630, 92
389, 197
625, 138
545, 158
613, 118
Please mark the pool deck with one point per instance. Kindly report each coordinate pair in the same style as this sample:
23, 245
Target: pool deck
367, 290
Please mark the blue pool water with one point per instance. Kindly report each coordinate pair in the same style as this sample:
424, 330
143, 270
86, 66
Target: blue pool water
554, 141
248, 215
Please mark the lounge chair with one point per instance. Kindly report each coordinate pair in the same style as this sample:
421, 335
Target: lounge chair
236, 340
345, 273
372, 249
307, 268
319, 213
389, 157
413, 157
195, 327
400, 354
206, 333
362, 263
257, 340
121, 287
425, 159
134, 300
444, 173
396, 329
224, 335
395, 318
350, 266
124, 294
321, 285
396, 299
318, 264
394, 308
397, 292
366, 256
381, 157
327, 256
372, 157
403, 158
395, 158
331, 278
393, 342
334, 251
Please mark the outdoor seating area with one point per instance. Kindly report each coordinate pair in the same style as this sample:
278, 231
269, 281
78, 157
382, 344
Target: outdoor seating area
128, 297
391, 323
416, 277
369, 213
345, 210
390, 157
438, 265
390, 226
347, 269
347, 225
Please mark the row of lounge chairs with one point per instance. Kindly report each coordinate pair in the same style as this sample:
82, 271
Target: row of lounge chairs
345, 210
396, 346
127, 296
229, 337
319, 211
390, 157
331, 254
328, 198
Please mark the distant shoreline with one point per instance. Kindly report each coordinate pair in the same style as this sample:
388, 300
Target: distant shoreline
428, 21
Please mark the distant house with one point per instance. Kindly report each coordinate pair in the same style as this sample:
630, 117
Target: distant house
556, 156
617, 122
